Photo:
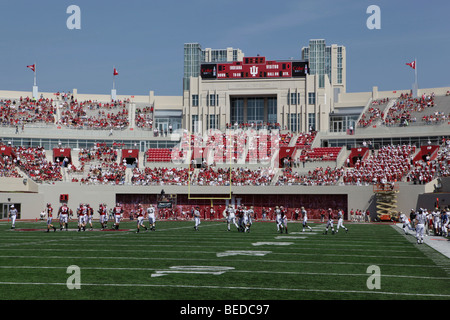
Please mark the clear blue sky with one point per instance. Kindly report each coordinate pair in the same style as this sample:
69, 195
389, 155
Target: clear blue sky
144, 39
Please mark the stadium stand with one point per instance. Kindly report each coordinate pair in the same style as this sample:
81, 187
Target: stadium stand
254, 164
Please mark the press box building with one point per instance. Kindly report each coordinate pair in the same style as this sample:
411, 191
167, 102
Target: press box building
297, 95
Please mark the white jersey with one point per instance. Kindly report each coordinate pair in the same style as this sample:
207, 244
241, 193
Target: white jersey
403, 218
304, 216
151, 212
278, 215
231, 213
421, 218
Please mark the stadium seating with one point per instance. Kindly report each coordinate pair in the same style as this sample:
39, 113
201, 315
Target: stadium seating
159, 155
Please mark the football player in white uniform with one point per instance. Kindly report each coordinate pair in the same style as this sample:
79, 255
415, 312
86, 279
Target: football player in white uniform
231, 217
436, 214
246, 221
13, 216
196, 218
421, 218
151, 217
305, 219
341, 221
445, 221
284, 219
406, 223
278, 219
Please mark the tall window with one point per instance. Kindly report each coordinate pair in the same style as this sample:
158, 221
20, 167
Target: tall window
213, 121
195, 123
195, 100
272, 110
312, 121
293, 122
213, 100
294, 98
339, 65
311, 98
255, 110
237, 110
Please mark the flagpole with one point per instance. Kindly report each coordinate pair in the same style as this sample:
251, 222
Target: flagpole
35, 73
415, 74
114, 79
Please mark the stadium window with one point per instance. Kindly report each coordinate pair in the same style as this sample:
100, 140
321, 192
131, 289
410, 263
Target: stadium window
312, 121
293, 98
195, 100
311, 98
213, 100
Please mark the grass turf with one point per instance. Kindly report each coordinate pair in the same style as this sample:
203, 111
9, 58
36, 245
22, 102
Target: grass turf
177, 263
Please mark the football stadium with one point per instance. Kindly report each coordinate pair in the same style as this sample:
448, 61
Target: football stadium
263, 180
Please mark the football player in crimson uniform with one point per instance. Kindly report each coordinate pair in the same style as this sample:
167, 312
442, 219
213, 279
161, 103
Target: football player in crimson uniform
102, 210
140, 218
49, 212
329, 222
63, 214
89, 215
118, 211
82, 213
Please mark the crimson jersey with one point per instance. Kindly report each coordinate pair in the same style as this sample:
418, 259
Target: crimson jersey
118, 210
102, 210
63, 210
140, 212
50, 212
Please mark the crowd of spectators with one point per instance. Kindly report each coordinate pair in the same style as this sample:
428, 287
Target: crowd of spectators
436, 117
34, 163
404, 109
94, 115
144, 118
105, 173
100, 152
388, 164
7, 168
426, 170
210, 176
26, 111
318, 177
305, 139
160, 176
374, 113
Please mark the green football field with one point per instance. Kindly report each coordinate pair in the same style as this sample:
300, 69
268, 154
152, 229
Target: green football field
175, 262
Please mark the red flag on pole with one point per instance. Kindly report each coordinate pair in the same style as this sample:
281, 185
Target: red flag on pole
412, 64
32, 67
115, 73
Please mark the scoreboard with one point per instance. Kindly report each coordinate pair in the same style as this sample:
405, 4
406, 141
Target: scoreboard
254, 68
